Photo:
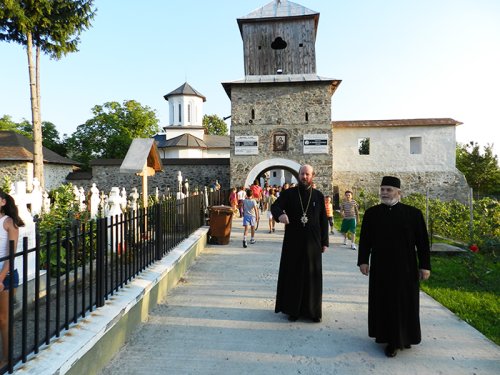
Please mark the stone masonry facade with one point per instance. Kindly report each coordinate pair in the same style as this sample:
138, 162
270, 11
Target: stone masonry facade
444, 185
199, 175
293, 109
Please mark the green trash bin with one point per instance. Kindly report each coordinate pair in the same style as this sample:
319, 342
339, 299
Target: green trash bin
220, 219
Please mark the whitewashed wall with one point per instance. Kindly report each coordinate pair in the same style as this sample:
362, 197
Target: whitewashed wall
390, 149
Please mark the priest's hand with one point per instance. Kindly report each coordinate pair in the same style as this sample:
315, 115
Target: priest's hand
424, 274
284, 219
324, 249
365, 269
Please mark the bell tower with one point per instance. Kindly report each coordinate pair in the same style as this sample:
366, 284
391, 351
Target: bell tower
279, 38
281, 109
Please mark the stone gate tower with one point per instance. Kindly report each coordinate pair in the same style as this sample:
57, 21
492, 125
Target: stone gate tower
281, 109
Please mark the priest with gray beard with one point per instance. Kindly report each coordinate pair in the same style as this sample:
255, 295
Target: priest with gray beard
394, 251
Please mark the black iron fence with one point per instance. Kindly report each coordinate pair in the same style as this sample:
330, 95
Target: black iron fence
78, 268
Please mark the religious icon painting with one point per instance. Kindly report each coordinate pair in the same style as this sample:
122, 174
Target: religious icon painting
280, 142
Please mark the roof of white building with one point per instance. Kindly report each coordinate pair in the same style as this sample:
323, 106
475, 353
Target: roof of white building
185, 89
396, 123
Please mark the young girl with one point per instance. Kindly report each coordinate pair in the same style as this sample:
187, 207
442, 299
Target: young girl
329, 212
9, 231
233, 200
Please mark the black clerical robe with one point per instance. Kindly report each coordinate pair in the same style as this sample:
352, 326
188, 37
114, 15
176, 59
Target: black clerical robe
300, 279
394, 241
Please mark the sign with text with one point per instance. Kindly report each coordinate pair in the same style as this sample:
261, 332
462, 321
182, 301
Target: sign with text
246, 145
315, 143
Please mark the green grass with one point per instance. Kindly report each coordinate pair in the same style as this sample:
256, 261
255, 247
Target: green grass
467, 284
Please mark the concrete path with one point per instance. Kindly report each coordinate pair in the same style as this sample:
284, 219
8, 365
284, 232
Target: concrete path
220, 320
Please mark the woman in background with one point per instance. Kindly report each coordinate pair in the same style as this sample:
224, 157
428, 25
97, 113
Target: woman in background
9, 231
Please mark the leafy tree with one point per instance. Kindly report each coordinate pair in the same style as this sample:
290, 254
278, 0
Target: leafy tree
480, 169
51, 138
214, 125
111, 131
48, 26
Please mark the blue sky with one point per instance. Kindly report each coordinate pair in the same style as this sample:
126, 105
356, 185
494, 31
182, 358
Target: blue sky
397, 59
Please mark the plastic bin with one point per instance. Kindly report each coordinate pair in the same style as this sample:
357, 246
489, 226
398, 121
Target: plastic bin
221, 219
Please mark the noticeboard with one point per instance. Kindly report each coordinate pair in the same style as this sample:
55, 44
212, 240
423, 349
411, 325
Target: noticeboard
246, 145
315, 144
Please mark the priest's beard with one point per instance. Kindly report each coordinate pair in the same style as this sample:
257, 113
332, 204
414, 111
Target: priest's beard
389, 201
304, 185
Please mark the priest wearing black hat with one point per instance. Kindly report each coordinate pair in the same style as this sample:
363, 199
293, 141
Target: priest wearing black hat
394, 251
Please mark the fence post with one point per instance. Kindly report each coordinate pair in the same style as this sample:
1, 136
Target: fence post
99, 261
158, 230
10, 329
471, 216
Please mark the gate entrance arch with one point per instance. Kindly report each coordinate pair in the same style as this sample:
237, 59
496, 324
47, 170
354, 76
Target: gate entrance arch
277, 163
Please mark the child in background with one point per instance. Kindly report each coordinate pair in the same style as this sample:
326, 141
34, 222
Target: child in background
233, 200
329, 212
350, 216
270, 200
250, 217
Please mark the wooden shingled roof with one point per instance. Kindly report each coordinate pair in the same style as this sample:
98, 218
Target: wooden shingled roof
16, 147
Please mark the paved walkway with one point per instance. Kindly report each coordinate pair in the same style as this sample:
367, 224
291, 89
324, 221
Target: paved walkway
220, 320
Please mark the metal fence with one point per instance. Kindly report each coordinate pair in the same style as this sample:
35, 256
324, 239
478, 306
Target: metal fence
78, 268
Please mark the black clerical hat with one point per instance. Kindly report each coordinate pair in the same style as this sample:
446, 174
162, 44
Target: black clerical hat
391, 181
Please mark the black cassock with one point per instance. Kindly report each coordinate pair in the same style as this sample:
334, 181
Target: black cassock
395, 242
300, 278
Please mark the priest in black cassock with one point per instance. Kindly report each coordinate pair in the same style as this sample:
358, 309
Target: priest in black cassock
300, 279
394, 251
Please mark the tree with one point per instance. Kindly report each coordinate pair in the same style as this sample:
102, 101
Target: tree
51, 138
110, 132
48, 26
480, 169
214, 125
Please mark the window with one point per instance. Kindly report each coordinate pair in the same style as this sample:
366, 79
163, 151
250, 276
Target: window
189, 112
253, 114
364, 146
307, 117
415, 145
180, 117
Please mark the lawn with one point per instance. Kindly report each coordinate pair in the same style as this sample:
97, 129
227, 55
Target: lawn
467, 284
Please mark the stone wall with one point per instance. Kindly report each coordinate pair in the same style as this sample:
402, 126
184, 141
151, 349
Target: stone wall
55, 174
442, 185
293, 109
199, 172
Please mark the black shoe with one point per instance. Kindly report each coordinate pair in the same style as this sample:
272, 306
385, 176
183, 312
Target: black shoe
408, 346
245, 243
274, 230
316, 320
292, 318
390, 351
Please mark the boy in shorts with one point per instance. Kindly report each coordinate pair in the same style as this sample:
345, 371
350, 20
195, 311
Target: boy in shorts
250, 217
350, 216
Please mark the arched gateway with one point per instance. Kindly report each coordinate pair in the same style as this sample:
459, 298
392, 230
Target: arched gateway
271, 164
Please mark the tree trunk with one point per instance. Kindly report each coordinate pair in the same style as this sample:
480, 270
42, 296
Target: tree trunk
35, 115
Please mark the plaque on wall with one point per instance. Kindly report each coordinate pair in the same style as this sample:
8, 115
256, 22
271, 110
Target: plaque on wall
315, 144
280, 142
246, 145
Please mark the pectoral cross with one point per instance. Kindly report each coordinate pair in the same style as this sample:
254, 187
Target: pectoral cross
304, 219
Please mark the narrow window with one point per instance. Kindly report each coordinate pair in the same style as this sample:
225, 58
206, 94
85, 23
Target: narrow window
253, 114
307, 117
415, 145
180, 117
364, 146
189, 112
274, 174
